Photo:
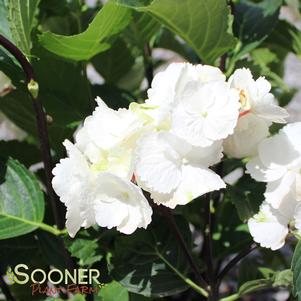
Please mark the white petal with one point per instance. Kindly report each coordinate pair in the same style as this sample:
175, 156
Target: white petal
205, 156
108, 128
267, 108
206, 73
261, 173
73, 183
164, 85
74, 221
268, 228
293, 133
250, 130
278, 191
158, 164
241, 79
119, 203
206, 113
70, 174
271, 151
195, 182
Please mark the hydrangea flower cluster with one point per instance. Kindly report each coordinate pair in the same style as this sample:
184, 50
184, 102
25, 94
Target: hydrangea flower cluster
164, 146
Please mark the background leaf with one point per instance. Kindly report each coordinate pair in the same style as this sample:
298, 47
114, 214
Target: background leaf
21, 200
296, 268
203, 24
139, 268
254, 21
21, 16
111, 20
113, 291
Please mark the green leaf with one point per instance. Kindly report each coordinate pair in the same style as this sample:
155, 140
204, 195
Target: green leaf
10, 68
21, 15
283, 278
246, 195
115, 62
138, 265
85, 250
113, 291
4, 25
142, 29
111, 20
255, 21
24, 152
203, 24
296, 268
254, 285
230, 235
21, 200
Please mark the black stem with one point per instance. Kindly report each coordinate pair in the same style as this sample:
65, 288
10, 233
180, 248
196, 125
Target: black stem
41, 125
5, 290
20, 57
208, 249
173, 226
148, 65
222, 64
232, 263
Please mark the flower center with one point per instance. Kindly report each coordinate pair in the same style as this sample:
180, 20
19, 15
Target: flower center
244, 100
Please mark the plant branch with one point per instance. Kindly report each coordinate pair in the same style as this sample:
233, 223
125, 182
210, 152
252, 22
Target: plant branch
188, 281
235, 260
32, 86
148, 65
208, 252
173, 226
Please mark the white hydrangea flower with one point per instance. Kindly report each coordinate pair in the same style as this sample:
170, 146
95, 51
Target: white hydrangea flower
269, 227
250, 130
98, 197
278, 164
173, 171
5, 84
256, 103
167, 87
205, 113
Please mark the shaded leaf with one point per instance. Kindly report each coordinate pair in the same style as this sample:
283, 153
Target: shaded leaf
137, 262
254, 21
296, 268
21, 200
254, 285
114, 63
246, 195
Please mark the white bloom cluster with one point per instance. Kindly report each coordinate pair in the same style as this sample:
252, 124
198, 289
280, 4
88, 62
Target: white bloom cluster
164, 146
279, 165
